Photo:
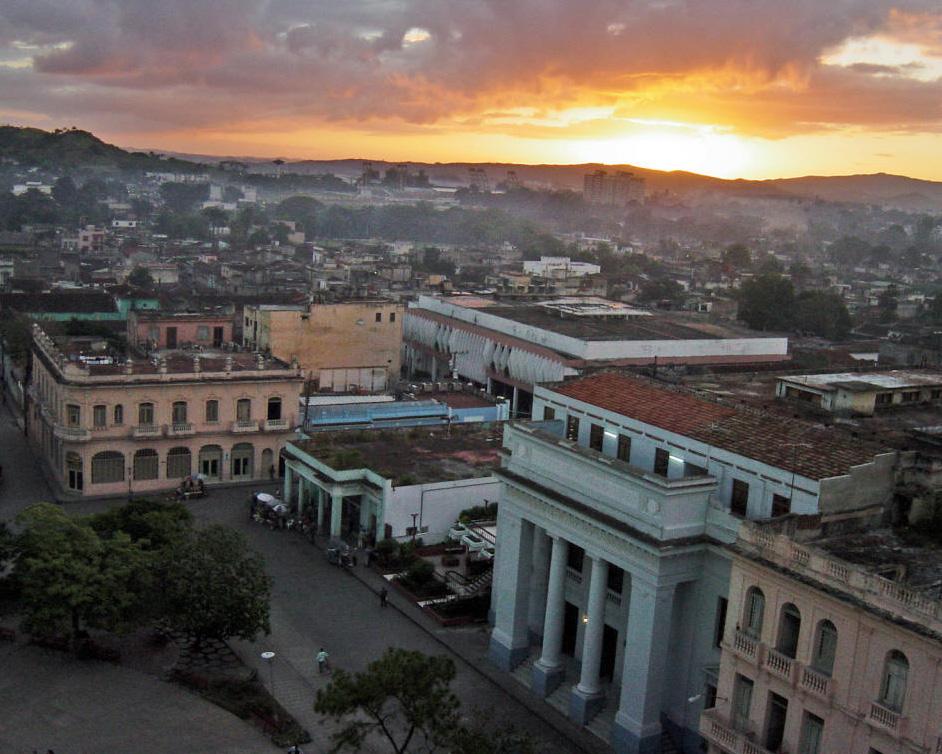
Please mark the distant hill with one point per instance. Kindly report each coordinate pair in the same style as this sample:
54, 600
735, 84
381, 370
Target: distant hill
73, 148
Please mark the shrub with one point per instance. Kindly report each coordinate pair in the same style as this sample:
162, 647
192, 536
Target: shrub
420, 573
478, 513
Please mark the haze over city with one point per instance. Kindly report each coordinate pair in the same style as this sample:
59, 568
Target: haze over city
721, 87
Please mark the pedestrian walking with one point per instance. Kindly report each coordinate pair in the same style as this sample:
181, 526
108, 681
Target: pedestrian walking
383, 596
322, 663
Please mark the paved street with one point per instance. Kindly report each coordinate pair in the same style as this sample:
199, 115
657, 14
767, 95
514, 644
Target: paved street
314, 604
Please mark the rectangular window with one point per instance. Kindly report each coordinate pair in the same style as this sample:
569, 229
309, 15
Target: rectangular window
119, 414
574, 557
179, 412
274, 408
548, 414
742, 702
825, 648
212, 411
596, 437
572, 428
781, 506
722, 604
662, 461
884, 399
145, 414
73, 415
910, 396
623, 451
379, 316
244, 410
100, 416
935, 394
812, 732
202, 332
616, 579
392, 316
691, 469
739, 499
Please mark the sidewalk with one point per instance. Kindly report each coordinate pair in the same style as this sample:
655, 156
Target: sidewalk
470, 646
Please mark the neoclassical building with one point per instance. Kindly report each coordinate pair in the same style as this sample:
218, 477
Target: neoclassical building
834, 642
612, 571
106, 428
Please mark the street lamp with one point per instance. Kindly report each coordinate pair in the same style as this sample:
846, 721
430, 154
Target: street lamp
269, 657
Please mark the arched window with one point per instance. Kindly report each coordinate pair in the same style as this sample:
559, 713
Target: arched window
178, 414
179, 463
119, 414
895, 675
755, 612
268, 463
107, 466
146, 464
789, 628
145, 414
243, 456
825, 648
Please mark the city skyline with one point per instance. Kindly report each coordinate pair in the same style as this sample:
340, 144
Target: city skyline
759, 90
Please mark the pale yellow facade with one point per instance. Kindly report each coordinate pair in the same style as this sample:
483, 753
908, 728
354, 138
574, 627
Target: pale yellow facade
143, 427
352, 345
821, 655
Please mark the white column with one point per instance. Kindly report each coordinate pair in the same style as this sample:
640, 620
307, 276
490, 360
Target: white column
555, 604
510, 641
538, 580
513, 404
320, 509
336, 509
592, 640
637, 723
288, 483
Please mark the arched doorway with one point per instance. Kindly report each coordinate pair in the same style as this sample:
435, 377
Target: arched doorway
210, 461
179, 463
243, 460
268, 465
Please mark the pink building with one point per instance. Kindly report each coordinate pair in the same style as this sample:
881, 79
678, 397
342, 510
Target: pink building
106, 428
832, 642
150, 330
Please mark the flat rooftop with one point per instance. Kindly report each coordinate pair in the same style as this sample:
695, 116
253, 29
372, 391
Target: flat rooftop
810, 450
902, 556
418, 455
897, 379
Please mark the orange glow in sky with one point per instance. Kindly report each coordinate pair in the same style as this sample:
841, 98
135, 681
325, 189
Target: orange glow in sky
718, 87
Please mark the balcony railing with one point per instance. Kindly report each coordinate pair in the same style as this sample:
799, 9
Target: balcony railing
71, 434
746, 646
780, 664
147, 430
613, 597
722, 733
276, 425
573, 575
181, 429
884, 716
244, 425
815, 681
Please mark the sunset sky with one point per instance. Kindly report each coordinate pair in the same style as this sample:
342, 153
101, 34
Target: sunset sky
733, 88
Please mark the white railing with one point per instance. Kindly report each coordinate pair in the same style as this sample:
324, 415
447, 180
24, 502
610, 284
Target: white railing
181, 428
245, 425
875, 589
147, 430
738, 739
815, 681
573, 575
745, 645
71, 434
884, 716
780, 664
275, 425
613, 597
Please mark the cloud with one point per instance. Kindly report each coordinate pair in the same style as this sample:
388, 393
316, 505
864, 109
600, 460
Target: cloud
751, 65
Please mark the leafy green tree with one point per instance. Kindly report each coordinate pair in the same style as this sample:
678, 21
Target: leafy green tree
887, 303
216, 588
215, 216
140, 277
71, 579
65, 192
17, 335
737, 256
822, 313
403, 696
848, 250
766, 302
151, 525
182, 197
661, 290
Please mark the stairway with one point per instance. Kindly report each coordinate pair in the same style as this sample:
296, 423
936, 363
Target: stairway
667, 744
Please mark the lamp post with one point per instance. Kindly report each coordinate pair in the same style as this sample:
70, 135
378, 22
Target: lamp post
269, 657
130, 474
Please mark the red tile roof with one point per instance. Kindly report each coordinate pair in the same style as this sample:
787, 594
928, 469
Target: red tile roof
806, 449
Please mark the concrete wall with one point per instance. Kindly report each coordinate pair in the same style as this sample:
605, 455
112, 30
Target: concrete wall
331, 336
439, 504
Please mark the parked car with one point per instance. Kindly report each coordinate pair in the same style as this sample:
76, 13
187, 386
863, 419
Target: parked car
473, 542
456, 532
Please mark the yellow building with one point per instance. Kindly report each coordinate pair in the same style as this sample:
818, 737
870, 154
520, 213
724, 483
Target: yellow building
350, 345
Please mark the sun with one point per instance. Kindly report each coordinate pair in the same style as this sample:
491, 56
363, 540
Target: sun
671, 147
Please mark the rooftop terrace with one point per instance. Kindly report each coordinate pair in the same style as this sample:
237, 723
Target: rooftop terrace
411, 456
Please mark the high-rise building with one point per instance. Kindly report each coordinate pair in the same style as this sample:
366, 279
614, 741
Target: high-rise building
617, 190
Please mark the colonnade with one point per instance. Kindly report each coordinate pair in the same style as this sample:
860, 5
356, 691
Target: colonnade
530, 587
